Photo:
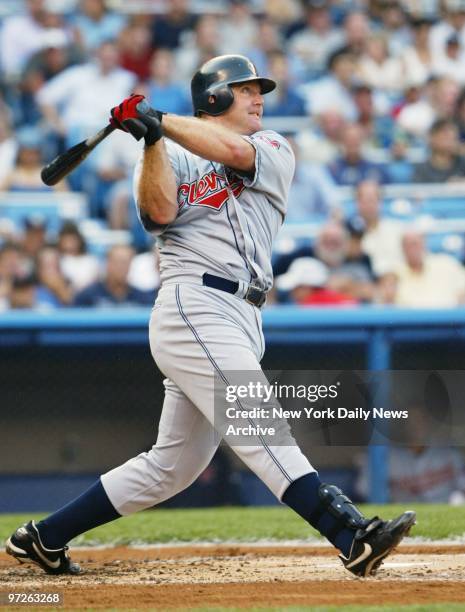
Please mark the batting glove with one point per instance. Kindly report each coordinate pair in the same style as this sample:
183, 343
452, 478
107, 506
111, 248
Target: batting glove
135, 116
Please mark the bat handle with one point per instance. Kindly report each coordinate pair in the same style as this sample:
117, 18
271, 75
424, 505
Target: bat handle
94, 140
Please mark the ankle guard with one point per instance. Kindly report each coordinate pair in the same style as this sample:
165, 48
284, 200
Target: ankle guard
333, 500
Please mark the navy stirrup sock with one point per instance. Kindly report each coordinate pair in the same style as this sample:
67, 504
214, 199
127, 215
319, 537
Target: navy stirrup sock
303, 497
89, 510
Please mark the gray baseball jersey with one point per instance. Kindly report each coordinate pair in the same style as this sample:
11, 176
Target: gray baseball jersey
226, 223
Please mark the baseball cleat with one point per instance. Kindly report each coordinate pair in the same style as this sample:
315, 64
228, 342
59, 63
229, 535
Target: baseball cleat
376, 541
25, 546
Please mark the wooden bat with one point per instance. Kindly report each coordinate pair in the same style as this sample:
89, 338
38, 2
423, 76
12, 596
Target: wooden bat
65, 163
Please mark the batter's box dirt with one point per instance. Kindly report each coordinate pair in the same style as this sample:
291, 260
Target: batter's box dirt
243, 576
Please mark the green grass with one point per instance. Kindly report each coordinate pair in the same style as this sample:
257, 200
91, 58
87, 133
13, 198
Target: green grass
242, 524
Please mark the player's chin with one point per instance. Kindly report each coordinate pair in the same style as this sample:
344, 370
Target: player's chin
255, 123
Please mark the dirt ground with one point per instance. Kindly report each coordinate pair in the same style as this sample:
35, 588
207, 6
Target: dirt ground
244, 576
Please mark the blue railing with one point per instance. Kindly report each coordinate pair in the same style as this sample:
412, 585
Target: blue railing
378, 329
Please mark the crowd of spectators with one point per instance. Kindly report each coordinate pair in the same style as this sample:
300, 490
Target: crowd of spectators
379, 87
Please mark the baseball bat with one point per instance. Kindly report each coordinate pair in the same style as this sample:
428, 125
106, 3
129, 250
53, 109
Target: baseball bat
65, 163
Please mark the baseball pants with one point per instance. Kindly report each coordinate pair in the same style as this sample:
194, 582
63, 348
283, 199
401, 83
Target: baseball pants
195, 333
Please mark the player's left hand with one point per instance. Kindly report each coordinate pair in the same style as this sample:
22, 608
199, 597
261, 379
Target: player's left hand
135, 116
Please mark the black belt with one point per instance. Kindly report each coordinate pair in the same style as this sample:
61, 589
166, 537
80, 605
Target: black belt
253, 296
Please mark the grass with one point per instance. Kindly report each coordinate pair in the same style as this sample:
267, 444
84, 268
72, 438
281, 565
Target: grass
242, 524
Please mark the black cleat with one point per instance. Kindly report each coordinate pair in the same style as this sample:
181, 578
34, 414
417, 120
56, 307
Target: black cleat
375, 541
25, 546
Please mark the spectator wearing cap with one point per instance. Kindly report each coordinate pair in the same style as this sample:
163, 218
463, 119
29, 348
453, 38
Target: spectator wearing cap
284, 100
21, 36
428, 280
169, 29
25, 175
314, 43
95, 24
382, 237
452, 63
333, 91
114, 289
238, 30
306, 283
79, 267
445, 163
352, 167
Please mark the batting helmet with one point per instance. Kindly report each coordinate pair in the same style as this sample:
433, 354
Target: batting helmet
211, 84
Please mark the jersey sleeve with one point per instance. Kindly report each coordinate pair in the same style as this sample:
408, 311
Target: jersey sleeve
175, 160
274, 167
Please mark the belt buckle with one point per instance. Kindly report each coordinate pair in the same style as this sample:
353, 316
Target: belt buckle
255, 296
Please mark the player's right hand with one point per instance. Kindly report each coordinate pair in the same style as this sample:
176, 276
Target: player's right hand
135, 116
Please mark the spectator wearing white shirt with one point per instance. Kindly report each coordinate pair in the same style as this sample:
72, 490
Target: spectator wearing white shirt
21, 36
80, 268
334, 91
428, 280
453, 22
79, 98
439, 100
8, 147
76, 102
377, 68
382, 240
239, 29
452, 63
419, 473
317, 40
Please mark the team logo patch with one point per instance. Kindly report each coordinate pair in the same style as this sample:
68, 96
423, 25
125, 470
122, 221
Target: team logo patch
211, 190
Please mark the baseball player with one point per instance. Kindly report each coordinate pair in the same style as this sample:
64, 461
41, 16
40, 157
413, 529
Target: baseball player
213, 188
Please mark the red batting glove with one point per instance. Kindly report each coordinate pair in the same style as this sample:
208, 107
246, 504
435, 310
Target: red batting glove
135, 116
126, 110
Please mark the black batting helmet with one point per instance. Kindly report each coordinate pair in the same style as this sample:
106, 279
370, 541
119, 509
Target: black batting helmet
210, 85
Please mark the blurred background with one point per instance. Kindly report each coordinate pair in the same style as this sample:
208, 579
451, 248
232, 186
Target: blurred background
369, 264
